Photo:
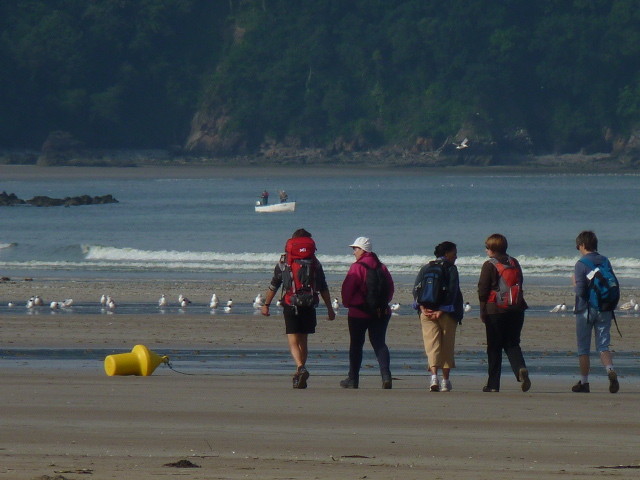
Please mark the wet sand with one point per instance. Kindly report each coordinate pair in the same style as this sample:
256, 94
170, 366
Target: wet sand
74, 422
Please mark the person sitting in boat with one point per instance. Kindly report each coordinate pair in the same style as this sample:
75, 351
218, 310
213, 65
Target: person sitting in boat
283, 196
264, 198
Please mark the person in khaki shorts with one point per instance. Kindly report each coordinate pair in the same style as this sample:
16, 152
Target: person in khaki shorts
439, 324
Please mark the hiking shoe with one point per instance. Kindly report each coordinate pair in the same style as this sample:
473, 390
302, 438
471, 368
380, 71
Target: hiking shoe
581, 387
349, 383
524, 378
614, 386
303, 375
445, 385
435, 386
486, 389
386, 382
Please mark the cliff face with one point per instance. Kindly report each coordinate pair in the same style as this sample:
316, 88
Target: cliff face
206, 134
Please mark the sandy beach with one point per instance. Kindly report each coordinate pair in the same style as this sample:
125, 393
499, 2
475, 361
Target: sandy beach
78, 423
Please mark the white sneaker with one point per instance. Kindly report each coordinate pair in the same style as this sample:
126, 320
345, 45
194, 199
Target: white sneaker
435, 386
445, 385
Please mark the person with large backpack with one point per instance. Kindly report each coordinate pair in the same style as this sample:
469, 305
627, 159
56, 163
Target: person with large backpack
366, 292
303, 283
502, 307
438, 299
597, 294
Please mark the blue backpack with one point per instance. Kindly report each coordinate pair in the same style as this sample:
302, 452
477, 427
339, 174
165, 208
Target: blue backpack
604, 290
431, 289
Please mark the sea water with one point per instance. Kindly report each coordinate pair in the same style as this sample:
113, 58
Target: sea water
194, 228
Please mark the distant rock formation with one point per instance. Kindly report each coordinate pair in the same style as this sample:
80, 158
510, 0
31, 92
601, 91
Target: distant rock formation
10, 199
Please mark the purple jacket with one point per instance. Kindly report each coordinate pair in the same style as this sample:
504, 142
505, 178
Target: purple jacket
354, 287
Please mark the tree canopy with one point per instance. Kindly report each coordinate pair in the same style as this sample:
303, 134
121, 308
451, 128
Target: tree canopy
126, 73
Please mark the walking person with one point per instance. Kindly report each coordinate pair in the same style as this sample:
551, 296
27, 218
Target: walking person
589, 318
366, 292
502, 307
440, 311
303, 281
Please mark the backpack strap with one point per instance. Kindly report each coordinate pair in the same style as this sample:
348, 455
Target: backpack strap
588, 263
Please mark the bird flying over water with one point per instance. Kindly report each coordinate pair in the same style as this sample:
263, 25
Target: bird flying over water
463, 144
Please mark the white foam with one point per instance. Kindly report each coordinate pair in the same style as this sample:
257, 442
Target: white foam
105, 258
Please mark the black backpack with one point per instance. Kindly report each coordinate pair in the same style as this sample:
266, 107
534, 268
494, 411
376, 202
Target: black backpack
376, 301
431, 290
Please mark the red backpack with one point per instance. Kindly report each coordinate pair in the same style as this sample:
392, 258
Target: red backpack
509, 291
299, 273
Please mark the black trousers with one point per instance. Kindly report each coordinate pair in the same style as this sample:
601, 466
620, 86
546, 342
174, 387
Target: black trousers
377, 328
503, 333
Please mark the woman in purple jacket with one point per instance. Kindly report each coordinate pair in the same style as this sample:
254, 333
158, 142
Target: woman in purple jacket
361, 316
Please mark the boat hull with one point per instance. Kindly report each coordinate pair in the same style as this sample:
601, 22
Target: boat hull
276, 207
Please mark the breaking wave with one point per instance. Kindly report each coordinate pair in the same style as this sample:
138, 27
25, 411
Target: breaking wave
105, 258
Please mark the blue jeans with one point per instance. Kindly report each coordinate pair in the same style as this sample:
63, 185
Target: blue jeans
600, 324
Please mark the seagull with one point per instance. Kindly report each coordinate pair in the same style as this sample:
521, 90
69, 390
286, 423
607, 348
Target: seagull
258, 302
54, 305
111, 303
183, 301
230, 303
103, 300
163, 301
467, 307
37, 301
30, 303
628, 305
67, 303
395, 307
636, 307
227, 309
11, 304
214, 301
559, 308
335, 305
463, 144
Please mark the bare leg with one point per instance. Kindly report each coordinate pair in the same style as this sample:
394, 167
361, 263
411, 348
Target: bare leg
606, 358
585, 365
445, 373
298, 347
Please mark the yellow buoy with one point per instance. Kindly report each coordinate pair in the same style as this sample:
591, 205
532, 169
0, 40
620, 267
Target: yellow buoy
141, 361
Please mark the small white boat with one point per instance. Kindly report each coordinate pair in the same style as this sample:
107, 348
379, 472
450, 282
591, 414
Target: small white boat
276, 207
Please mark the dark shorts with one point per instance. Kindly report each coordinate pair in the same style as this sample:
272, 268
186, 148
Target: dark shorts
302, 321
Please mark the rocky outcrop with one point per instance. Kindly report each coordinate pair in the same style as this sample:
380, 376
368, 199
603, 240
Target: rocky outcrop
58, 148
208, 134
627, 149
10, 199
44, 201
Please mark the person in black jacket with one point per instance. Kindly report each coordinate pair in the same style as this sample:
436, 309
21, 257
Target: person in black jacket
439, 324
503, 320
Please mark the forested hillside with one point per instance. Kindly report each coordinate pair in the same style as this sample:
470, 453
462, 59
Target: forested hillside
229, 76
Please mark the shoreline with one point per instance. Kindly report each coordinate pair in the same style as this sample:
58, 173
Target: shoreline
568, 164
